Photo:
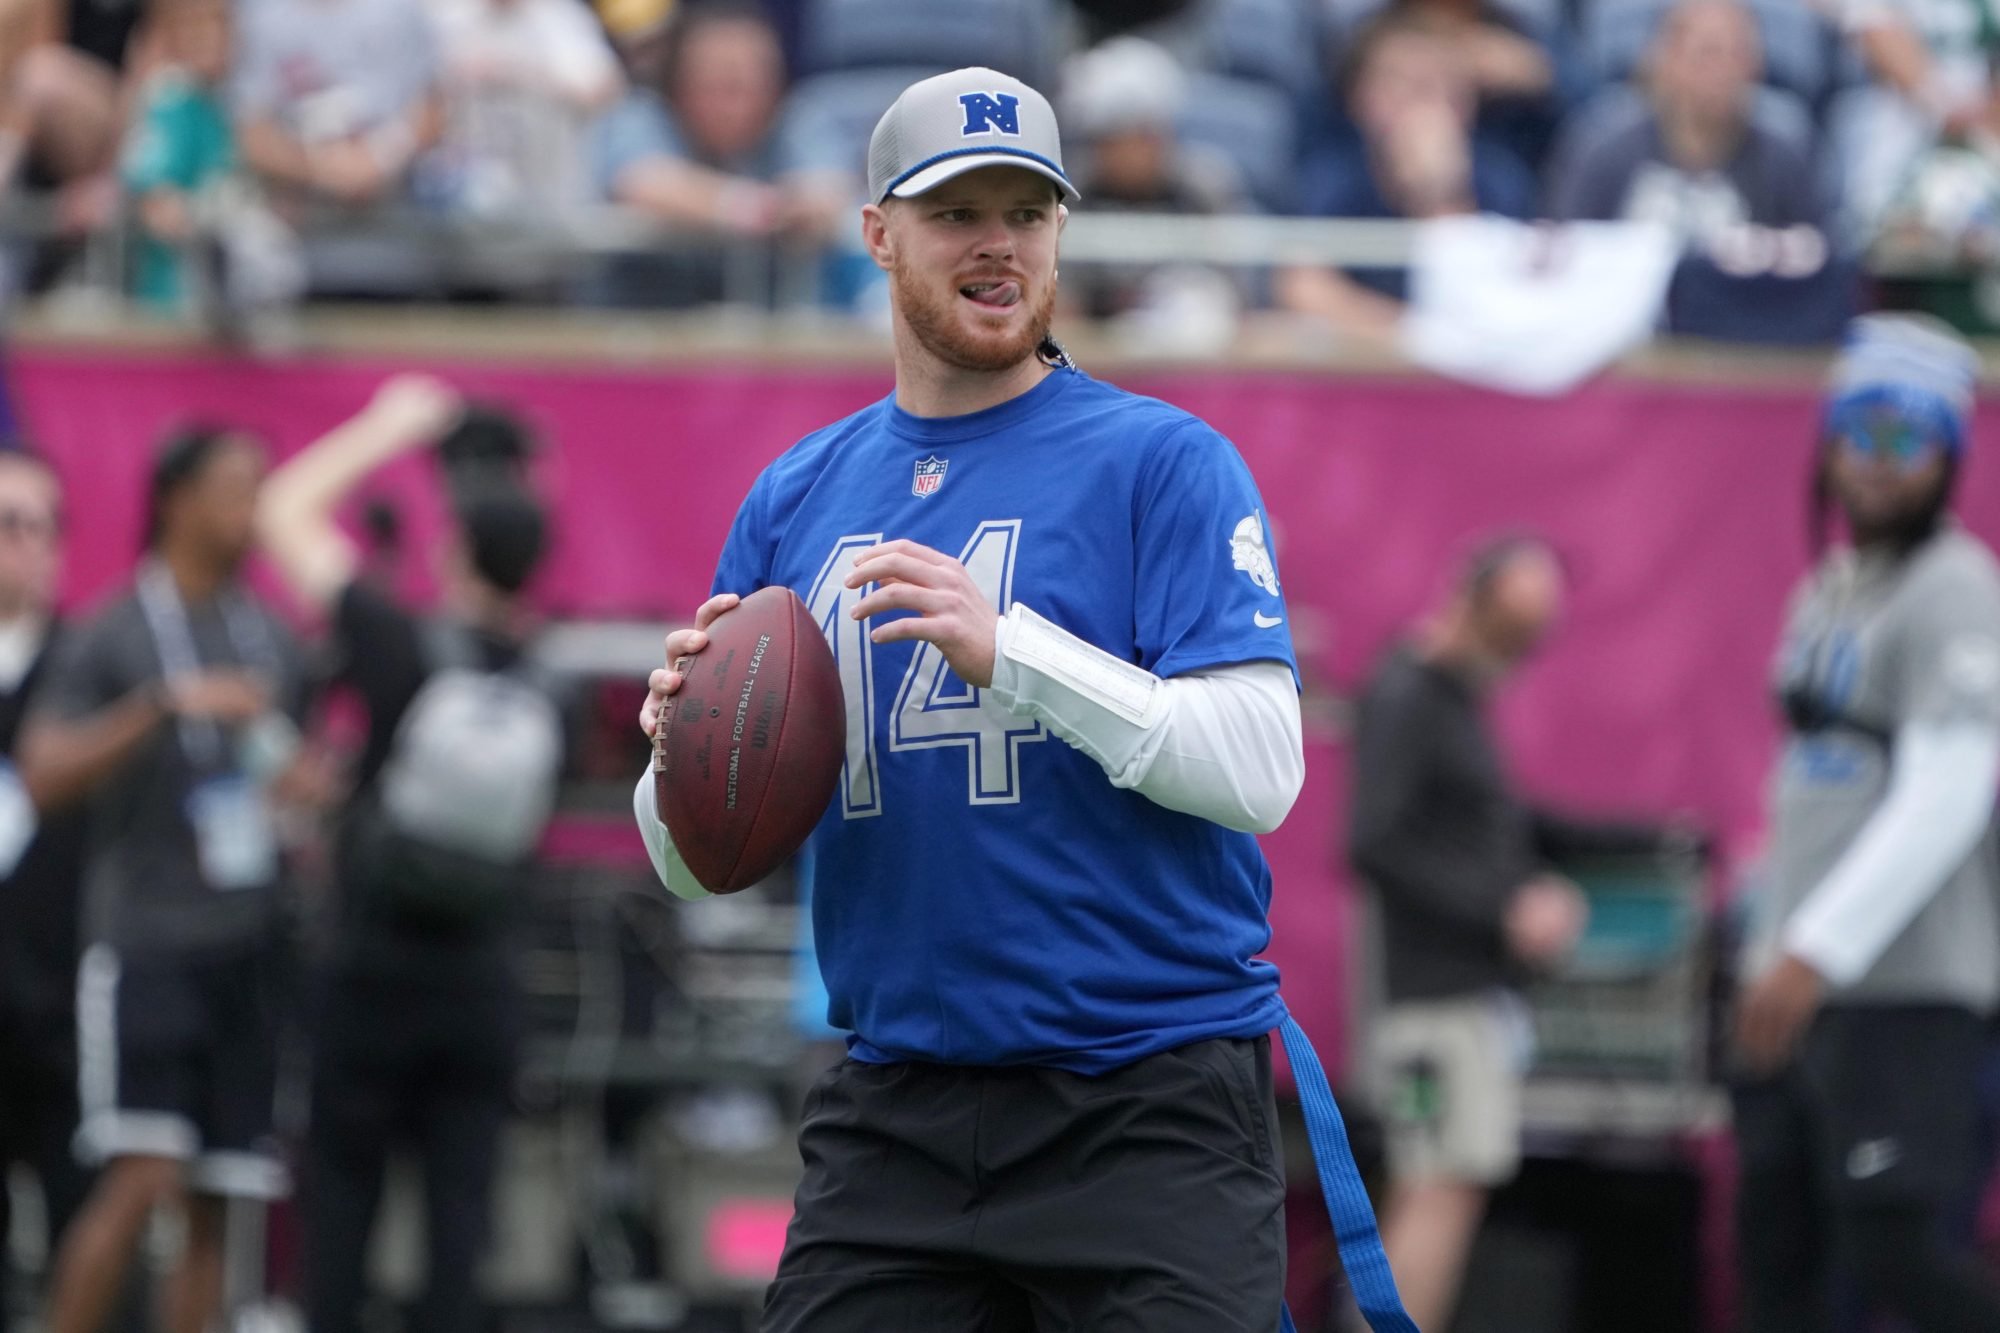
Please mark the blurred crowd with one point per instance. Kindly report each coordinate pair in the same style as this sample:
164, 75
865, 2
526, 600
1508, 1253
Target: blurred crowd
171, 783
258, 150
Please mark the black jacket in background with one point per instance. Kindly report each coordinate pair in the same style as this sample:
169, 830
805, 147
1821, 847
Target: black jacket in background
39, 902
1440, 837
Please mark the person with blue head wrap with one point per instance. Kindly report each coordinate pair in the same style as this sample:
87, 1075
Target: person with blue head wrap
1874, 965
1902, 385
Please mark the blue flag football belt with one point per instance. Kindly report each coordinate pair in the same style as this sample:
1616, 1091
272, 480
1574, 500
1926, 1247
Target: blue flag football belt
1346, 1201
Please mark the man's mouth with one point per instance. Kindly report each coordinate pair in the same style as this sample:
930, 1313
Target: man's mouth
992, 295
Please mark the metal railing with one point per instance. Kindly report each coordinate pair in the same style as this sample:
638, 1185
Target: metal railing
771, 272
540, 259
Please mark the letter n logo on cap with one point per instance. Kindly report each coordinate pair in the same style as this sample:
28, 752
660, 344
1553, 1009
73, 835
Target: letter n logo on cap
986, 113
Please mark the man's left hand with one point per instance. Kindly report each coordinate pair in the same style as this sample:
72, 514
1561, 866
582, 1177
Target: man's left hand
951, 612
1773, 1013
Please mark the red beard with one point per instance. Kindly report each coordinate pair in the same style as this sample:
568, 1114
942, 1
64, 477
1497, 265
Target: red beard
936, 325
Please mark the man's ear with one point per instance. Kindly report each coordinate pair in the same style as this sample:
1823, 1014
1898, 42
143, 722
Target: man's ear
875, 235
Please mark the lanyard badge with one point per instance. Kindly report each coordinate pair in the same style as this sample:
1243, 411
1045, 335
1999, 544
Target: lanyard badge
234, 840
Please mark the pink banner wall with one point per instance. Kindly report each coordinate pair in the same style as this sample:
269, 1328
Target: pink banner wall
1680, 507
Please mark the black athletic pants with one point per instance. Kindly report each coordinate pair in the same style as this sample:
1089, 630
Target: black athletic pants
1854, 1161
38, 1119
939, 1199
425, 1063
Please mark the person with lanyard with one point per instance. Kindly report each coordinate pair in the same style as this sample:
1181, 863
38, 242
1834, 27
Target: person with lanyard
172, 716
427, 941
1037, 896
1874, 964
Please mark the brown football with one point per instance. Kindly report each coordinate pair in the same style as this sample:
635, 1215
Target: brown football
748, 751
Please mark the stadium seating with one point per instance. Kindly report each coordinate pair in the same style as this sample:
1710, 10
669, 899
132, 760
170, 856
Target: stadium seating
1535, 16
1801, 50
828, 117
1268, 41
1018, 37
1254, 126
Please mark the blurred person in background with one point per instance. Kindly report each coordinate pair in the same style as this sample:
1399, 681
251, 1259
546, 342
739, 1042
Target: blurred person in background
1122, 100
1874, 964
1412, 98
1458, 865
1930, 70
1696, 145
418, 1015
335, 100
41, 868
63, 102
206, 244
703, 149
172, 716
1505, 62
1691, 152
1520, 85
181, 147
522, 80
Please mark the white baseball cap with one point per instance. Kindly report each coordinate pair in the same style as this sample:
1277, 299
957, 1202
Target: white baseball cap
958, 122
1126, 83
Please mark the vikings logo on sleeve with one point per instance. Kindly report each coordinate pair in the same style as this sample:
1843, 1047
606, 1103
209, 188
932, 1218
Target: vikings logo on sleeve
1249, 553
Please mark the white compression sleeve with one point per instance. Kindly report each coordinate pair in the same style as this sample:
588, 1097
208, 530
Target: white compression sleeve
1226, 745
1939, 803
667, 863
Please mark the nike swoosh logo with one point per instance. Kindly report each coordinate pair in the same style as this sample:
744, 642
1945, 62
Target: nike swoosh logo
1266, 622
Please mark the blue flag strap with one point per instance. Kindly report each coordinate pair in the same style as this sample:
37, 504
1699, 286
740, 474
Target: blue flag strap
1346, 1201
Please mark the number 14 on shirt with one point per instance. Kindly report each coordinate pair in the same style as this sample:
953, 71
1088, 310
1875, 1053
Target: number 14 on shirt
933, 707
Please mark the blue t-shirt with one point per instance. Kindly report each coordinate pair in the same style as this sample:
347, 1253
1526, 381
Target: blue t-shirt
981, 893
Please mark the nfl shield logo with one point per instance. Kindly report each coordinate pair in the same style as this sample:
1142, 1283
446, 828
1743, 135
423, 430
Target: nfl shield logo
929, 476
